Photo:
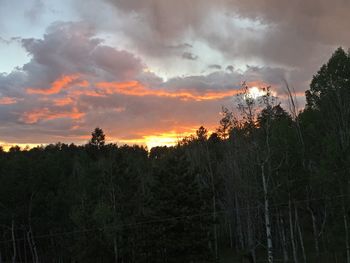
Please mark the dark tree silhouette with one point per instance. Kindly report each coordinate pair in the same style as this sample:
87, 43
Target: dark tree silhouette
97, 138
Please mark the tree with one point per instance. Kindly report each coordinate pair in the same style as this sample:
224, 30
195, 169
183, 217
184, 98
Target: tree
331, 84
226, 123
202, 134
179, 210
97, 138
328, 102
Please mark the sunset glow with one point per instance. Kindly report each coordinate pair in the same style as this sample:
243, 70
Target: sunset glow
7, 101
56, 86
137, 80
256, 92
134, 88
174, 131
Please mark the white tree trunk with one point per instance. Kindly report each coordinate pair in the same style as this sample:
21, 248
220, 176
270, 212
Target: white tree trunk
13, 242
346, 235
314, 227
284, 239
115, 246
267, 218
300, 233
292, 239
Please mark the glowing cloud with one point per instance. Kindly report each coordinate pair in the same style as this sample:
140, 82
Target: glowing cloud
135, 88
47, 114
7, 101
63, 101
57, 85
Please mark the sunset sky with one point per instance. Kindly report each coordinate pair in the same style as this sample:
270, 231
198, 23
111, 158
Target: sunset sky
151, 71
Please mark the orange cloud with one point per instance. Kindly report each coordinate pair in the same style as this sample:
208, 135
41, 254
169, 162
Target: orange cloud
7, 100
63, 101
58, 85
46, 114
135, 88
90, 93
130, 88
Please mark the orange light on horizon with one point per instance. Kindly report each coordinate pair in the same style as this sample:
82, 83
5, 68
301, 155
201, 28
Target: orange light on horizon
150, 141
6, 146
169, 138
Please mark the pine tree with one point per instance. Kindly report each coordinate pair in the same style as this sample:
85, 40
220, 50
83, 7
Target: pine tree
181, 235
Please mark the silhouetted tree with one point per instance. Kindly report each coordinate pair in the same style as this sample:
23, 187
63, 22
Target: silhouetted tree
97, 138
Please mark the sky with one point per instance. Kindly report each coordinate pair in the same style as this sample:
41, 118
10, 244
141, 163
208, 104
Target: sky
151, 71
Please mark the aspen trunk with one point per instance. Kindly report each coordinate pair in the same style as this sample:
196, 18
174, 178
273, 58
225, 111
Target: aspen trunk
24, 247
314, 228
300, 233
292, 239
214, 203
239, 224
346, 228
32, 245
267, 218
115, 246
14, 256
284, 240
230, 233
250, 237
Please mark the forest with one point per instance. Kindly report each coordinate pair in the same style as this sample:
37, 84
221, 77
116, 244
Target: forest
269, 185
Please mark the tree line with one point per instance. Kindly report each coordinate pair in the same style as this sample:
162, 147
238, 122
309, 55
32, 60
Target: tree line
270, 185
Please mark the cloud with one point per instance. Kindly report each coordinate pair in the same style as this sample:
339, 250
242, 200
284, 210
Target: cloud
229, 68
57, 85
295, 36
189, 56
214, 66
45, 114
7, 101
75, 82
137, 89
